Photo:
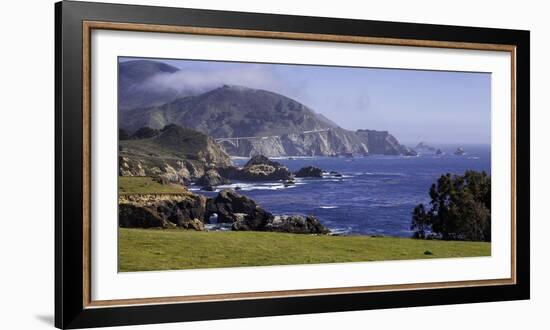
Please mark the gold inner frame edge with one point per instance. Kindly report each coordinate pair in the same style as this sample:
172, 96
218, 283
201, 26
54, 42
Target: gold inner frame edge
88, 26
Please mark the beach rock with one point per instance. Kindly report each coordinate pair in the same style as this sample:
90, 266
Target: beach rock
265, 173
261, 160
161, 210
296, 224
309, 172
289, 183
195, 224
229, 172
133, 216
230, 207
212, 178
189, 209
208, 188
406, 151
460, 151
261, 168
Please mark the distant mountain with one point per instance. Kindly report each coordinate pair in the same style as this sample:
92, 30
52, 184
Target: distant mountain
230, 111
133, 88
245, 121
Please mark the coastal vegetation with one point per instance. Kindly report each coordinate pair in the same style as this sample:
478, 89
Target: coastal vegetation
146, 185
155, 249
460, 209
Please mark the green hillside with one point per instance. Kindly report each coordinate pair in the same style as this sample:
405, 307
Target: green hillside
150, 249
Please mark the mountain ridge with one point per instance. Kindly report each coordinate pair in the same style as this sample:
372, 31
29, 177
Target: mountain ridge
248, 121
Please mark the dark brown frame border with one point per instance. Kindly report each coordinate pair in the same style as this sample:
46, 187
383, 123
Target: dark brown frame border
74, 23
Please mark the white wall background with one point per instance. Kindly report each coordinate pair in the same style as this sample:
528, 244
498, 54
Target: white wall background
27, 168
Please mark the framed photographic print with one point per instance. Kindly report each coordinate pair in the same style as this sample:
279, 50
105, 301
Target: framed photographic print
218, 164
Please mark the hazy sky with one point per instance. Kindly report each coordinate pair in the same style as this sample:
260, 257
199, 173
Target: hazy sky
415, 105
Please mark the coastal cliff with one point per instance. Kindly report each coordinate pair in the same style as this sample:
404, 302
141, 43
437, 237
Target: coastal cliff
383, 143
329, 142
247, 122
173, 154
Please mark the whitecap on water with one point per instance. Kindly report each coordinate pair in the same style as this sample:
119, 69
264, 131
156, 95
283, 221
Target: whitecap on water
340, 231
218, 227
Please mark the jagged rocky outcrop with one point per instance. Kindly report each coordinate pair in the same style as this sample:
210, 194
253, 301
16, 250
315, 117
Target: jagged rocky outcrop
460, 151
259, 168
192, 211
297, 224
212, 178
167, 170
309, 172
243, 212
383, 143
173, 154
183, 210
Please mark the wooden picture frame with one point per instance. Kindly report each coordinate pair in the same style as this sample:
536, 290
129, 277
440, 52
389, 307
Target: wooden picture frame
75, 21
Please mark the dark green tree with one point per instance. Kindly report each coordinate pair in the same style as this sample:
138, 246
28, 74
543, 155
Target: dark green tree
122, 134
421, 222
460, 209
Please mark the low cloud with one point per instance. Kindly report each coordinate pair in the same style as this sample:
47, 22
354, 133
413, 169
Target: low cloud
195, 81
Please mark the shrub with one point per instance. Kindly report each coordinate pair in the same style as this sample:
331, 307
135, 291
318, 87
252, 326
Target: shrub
460, 209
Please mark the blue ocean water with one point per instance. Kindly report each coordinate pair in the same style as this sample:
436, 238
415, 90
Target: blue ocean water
376, 194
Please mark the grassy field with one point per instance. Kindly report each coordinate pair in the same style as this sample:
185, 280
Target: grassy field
150, 249
145, 185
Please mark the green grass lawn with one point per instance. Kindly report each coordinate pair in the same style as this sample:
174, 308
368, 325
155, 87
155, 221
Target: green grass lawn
157, 249
146, 185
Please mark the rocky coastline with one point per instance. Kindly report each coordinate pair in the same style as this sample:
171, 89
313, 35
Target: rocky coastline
188, 210
181, 156
192, 211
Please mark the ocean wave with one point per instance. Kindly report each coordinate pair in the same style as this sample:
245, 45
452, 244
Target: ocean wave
255, 186
328, 207
340, 230
385, 173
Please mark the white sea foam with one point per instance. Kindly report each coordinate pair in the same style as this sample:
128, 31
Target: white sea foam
340, 231
218, 227
385, 173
